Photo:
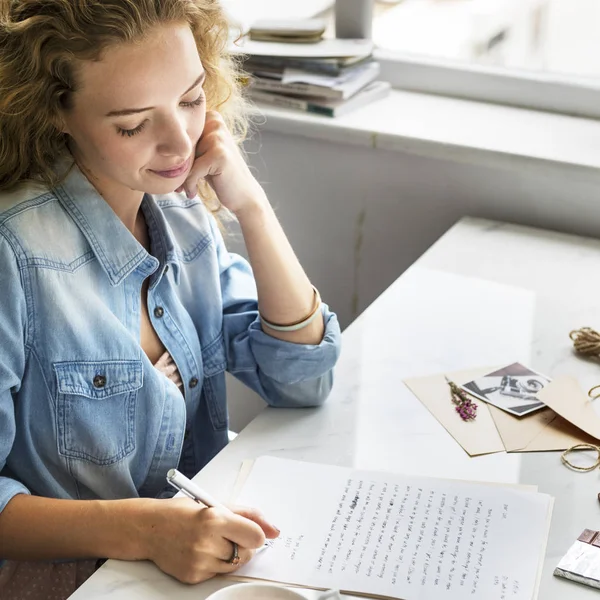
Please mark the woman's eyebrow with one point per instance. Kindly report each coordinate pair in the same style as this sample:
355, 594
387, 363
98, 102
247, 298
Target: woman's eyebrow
132, 111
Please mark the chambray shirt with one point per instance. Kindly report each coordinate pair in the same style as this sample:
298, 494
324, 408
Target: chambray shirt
83, 412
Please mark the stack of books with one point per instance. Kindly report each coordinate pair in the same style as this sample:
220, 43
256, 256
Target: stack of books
330, 77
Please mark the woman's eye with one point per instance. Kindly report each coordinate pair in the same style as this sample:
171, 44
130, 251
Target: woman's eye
130, 132
197, 102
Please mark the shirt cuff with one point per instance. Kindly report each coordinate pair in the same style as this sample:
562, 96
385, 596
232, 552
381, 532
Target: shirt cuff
9, 488
287, 362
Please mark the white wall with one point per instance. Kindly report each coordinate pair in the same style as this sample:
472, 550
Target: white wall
358, 217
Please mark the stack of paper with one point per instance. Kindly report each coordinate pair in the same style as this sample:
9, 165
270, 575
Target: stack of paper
330, 77
389, 535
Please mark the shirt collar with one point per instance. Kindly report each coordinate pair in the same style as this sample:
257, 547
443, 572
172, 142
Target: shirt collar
113, 244
162, 238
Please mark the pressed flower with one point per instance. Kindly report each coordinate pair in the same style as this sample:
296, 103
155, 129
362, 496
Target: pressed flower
465, 407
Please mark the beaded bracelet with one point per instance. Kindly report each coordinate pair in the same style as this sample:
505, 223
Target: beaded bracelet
298, 324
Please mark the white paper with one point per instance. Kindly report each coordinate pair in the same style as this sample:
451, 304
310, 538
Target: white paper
299, 76
326, 48
397, 536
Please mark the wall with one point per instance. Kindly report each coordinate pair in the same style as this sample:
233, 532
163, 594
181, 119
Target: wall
358, 217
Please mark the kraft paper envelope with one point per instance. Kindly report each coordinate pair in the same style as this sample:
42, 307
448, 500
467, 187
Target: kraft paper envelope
541, 431
495, 430
476, 437
565, 396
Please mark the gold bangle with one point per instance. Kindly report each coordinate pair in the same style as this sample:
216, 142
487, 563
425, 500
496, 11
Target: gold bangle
297, 324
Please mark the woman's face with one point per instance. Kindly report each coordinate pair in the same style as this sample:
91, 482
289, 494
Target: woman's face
139, 113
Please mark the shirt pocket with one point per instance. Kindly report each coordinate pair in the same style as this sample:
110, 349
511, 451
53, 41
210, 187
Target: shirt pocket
96, 403
214, 362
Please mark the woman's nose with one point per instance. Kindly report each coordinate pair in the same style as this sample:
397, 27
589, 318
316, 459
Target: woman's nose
174, 139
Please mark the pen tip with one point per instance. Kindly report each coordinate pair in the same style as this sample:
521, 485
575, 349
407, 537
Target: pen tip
598, 497
171, 473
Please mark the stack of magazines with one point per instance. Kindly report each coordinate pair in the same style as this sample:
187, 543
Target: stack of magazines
330, 77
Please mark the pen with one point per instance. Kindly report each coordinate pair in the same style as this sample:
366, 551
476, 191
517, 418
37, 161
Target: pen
180, 482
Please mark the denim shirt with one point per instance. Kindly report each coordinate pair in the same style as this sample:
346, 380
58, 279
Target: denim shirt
83, 412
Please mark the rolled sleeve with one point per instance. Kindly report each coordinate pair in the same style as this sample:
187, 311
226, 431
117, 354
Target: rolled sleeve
284, 373
287, 362
9, 488
13, 326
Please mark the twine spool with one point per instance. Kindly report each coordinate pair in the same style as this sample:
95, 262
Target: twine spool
586, 341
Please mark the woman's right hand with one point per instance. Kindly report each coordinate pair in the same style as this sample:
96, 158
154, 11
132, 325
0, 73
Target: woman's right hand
192, 543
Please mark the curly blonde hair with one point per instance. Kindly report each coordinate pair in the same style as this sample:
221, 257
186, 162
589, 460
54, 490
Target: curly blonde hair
40, 43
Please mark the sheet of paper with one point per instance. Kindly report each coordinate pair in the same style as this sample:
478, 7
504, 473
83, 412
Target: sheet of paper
327, 48
300, 76
397, 536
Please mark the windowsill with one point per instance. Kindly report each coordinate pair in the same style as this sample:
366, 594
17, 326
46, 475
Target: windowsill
453, 129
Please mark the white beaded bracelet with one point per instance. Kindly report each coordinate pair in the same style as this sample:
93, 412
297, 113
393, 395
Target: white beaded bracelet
299, 324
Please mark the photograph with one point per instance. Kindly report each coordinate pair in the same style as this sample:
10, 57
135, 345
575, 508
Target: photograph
512, 388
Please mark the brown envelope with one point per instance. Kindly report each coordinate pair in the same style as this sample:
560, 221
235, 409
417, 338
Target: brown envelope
495, 430
565, 396
542, 430
476, 437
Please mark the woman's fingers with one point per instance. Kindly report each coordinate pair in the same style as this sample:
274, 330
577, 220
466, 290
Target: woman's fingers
193, 544
170, 369
163, 361
167, 367
236, 528
270, 531
225, 566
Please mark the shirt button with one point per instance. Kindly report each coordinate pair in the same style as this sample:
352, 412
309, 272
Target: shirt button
159, 311
99, 381
193, 382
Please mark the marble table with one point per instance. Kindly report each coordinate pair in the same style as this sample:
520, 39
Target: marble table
486, 293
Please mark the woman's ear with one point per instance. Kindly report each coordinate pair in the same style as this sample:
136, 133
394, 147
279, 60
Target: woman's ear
60, 123
59, 116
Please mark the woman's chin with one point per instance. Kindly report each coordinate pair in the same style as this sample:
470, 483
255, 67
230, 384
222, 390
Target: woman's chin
159, 189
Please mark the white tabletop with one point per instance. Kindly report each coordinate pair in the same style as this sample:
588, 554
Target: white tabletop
485, 294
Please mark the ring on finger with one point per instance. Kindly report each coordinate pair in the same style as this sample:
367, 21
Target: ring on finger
234, 559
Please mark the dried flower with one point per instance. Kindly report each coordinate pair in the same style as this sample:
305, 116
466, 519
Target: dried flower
465, 407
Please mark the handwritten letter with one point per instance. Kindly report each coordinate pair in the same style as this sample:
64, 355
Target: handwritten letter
396, 536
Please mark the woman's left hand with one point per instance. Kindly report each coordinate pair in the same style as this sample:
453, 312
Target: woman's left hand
220, 162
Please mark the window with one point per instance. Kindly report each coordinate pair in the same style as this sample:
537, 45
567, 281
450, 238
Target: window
537, 53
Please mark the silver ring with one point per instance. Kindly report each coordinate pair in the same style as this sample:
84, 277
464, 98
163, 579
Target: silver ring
235, 556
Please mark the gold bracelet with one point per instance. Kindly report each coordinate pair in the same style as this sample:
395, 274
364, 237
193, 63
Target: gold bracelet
569, 464
298, 324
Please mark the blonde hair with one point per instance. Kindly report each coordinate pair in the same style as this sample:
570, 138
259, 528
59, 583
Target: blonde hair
40, 44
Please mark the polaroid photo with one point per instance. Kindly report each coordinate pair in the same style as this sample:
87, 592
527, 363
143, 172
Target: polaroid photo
512, 388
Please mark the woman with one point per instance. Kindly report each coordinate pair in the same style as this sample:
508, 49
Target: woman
121, 306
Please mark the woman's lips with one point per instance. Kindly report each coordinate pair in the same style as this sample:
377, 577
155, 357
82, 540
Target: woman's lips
175, 172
